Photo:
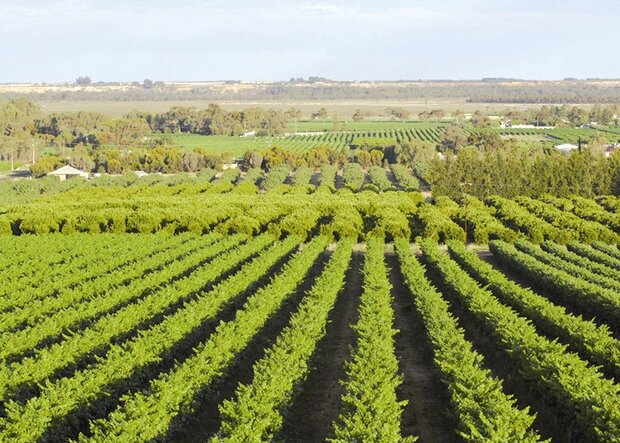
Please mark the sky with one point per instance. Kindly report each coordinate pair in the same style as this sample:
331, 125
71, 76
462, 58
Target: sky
128, 40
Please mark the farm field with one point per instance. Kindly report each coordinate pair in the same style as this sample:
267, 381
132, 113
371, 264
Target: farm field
375, 200
338, 140
387, 132
6, 166
220, 143
214, 311
363, 125
309, 222
287, 322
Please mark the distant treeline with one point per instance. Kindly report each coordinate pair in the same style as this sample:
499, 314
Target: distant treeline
25, 128
540, 99
486, 91
215, 121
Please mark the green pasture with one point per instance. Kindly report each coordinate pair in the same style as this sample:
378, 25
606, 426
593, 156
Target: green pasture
6, 166
220, 143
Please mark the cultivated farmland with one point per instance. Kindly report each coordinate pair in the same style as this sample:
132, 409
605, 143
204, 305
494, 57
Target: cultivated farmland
305, 141
346, 309
352, 136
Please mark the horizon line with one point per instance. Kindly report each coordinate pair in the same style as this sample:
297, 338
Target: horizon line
324, 80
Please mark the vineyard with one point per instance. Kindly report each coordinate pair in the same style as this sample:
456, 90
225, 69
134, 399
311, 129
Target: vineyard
308, 307
342, 139
303, 142
558, 135
380, 134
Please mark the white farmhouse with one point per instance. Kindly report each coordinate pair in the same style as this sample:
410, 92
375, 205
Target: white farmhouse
566, 147
226, 166
68, 172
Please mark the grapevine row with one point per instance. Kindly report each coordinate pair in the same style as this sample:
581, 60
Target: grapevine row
591, 299
256, 412
150, 415
22, 341
595, 342
595, 255
370, 409
76, 280
566, 266
114, 327
483, 411
582, 395
94, 290
584, 263
586, 231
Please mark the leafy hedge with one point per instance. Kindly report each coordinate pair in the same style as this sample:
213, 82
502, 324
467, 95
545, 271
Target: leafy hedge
591, 299
151, 415
584, 230
404, 177
353, 176
379, 178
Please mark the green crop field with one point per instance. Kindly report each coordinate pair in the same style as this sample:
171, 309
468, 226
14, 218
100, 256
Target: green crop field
339, 140
562, 135
309, 222
5, 166
220, 143
321, 134
243, 308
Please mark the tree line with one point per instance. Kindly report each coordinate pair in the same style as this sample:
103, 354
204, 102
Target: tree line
571, 91
565, 116
481, 165
161, 159
25, 129
216, 121
510, 173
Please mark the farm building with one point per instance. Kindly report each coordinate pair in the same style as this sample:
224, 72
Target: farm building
566, 147
68, 172
226, 166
